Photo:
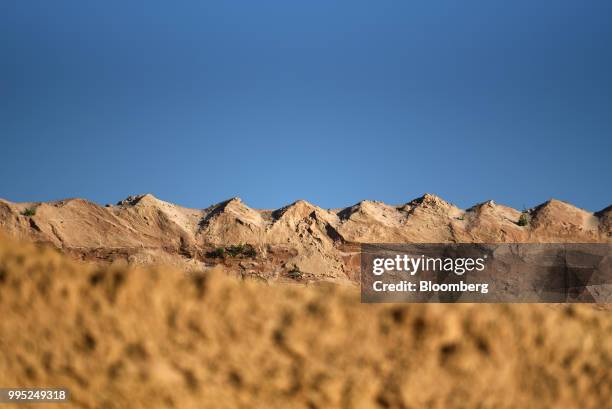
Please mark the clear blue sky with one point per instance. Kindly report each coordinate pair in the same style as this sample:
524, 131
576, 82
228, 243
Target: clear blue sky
332, 102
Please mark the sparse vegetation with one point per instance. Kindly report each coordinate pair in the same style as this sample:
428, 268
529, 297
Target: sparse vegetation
523, 219
238, 250
29, 212
295, 273
219, 252
241, 250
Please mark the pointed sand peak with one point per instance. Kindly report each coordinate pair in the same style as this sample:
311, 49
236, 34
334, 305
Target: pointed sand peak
229, 204
487, 204
234, 203
427, 201
563, 215
233, 208
431, 200
299, 209
552, 206
142, 199
362, 207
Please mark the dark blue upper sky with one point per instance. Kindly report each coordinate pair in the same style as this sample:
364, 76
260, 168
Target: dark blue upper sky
332, 102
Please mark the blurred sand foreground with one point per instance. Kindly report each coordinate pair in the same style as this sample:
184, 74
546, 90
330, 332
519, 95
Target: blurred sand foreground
149, 338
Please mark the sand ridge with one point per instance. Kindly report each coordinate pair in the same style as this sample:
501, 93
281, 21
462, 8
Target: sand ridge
142, 230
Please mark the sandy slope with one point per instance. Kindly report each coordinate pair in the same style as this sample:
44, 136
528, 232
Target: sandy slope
149, 338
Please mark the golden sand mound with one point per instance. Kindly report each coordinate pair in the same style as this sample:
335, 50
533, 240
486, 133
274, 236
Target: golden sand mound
148, 338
